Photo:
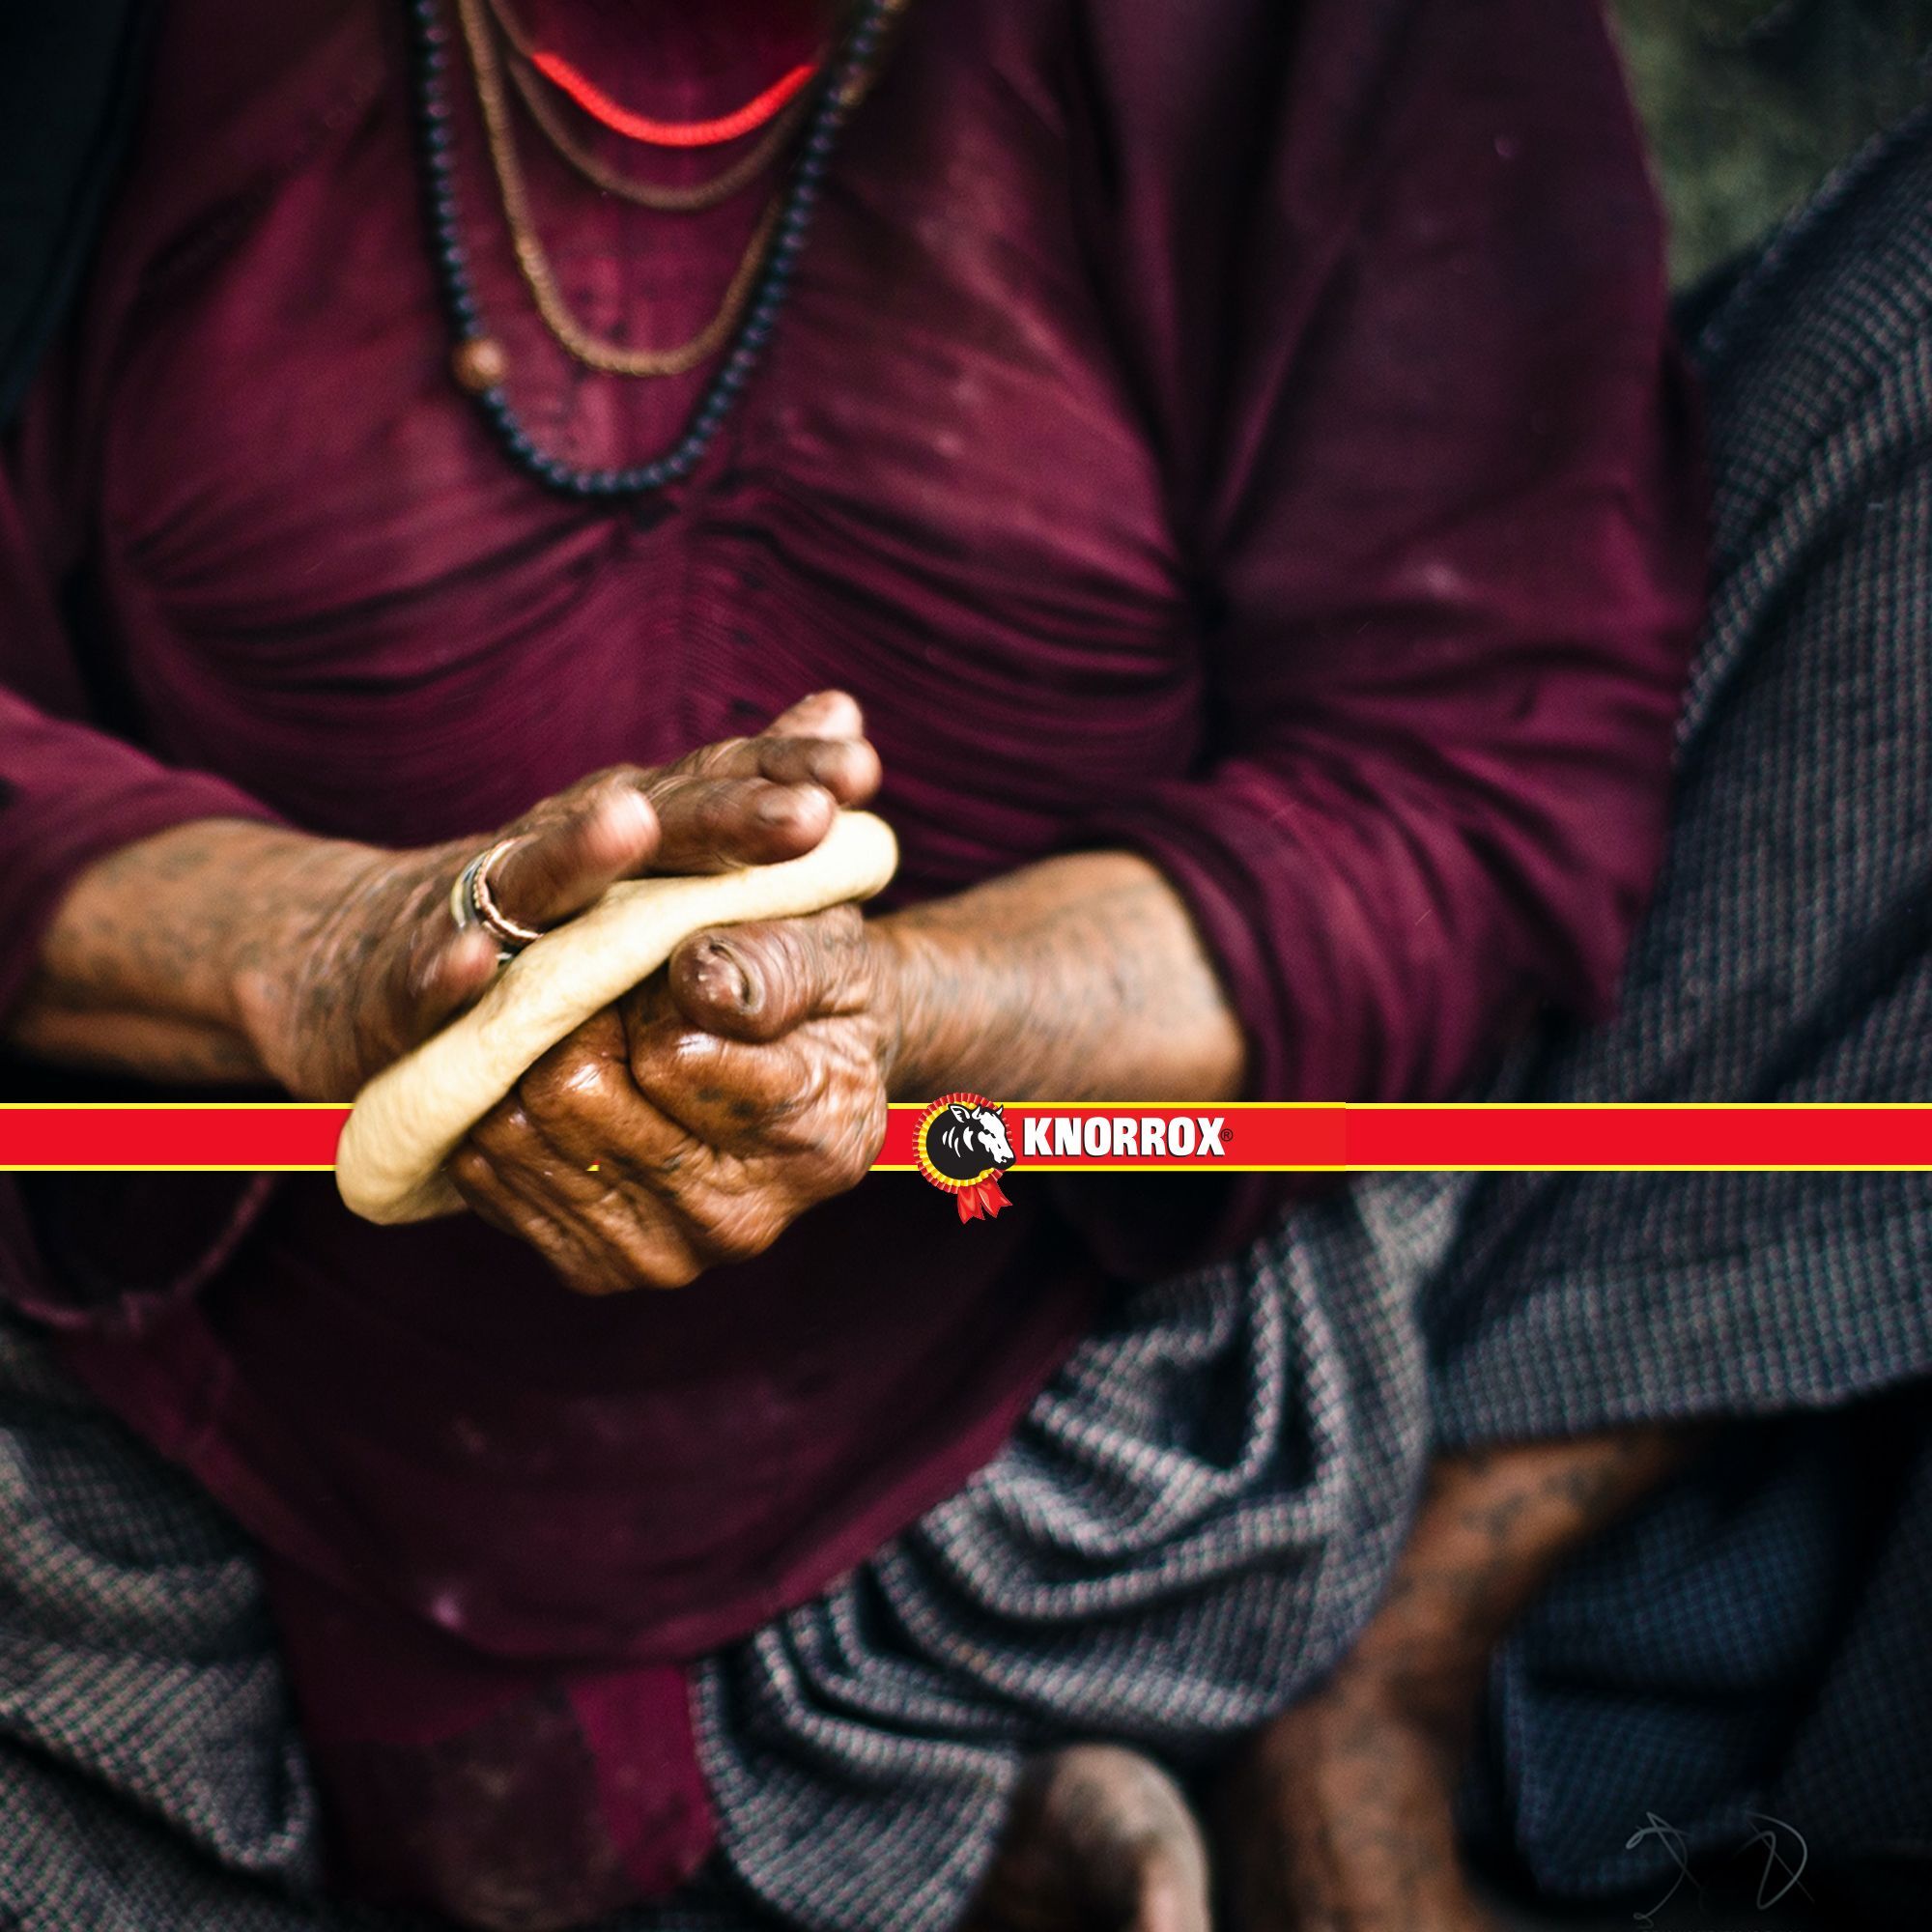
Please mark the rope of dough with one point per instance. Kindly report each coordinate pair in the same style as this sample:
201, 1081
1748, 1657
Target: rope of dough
412, 1117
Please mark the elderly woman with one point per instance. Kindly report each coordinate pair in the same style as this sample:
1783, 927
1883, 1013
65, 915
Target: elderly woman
1214, 475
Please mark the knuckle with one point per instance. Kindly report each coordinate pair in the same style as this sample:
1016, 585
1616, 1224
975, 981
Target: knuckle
783, 956
736, 1244
858, 1130
667, 791
745, 1230
567, 1083
715, 804
856, 1154
714, 1233
504, 1132
719, 756
651, 1256
592, 1280
592, 786
608, 786
667, 1276
470, 1173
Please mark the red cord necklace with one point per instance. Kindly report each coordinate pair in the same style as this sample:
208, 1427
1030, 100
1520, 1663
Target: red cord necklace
599, 105
673, 133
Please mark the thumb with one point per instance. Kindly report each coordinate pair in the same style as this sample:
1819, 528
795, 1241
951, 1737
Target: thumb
755, 983
555, 868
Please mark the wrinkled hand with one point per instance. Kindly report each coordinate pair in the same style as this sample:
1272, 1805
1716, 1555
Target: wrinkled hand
695, 1121
362, 961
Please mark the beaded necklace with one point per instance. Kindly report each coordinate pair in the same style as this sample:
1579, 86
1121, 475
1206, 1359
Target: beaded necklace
476, 358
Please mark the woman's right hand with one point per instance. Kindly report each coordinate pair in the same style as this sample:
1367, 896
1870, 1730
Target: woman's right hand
225, 950
338, 990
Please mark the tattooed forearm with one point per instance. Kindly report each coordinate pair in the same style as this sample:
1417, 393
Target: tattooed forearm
1340, 1812
142, 967
1492, 1526
129, 978
1080, 978
178, 957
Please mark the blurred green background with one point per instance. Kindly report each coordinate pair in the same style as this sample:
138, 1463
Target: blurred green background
1751, 103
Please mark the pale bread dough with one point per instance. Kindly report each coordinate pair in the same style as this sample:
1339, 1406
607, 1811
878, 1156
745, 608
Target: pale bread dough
412, 1117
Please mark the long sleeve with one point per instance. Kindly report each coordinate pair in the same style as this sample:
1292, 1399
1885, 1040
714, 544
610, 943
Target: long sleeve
68, 792
1430, 437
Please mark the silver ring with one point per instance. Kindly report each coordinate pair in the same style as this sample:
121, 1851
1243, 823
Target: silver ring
471, 903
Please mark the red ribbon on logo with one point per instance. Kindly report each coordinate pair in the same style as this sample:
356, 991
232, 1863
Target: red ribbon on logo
981, 1201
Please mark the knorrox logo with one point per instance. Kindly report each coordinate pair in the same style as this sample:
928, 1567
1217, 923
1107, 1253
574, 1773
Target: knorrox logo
963, 1144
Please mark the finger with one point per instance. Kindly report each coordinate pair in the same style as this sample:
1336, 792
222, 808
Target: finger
824, 714
654, 1205
576, 1117
710, 824
585, 1269
591, 1219
568, 1133
752, 801
839, 764
471, 1172
611, 831
790, 1112
441, 973
757, 983
724, 1095
848, 768
624, 1237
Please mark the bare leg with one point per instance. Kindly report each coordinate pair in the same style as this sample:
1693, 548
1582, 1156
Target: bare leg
1100, 1840
1338, 1816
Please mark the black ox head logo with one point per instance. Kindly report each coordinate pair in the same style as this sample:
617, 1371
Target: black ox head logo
965, 1141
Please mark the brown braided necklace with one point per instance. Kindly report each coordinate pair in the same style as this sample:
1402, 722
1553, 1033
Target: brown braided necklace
610, 358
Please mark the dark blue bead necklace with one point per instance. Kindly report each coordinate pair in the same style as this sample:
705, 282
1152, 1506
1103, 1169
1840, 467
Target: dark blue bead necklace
850, 71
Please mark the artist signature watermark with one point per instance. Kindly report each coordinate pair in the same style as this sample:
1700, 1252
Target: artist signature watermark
1780, 1846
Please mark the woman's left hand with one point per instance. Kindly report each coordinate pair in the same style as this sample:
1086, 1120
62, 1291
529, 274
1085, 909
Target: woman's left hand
694, 1122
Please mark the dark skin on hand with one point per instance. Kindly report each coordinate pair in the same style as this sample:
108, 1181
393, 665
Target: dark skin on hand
693, 1122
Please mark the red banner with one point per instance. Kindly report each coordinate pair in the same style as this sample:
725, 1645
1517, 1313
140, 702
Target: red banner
255, 1138
1333, 1138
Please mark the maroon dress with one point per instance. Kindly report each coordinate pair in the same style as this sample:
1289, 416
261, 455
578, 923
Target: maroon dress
1241, 432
